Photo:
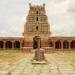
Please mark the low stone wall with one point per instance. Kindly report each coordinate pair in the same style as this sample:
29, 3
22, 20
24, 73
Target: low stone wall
46, 49
27, 49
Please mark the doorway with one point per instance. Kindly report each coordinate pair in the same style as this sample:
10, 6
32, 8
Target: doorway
35, 42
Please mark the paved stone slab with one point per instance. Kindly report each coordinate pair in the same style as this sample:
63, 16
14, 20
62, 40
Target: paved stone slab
58, 64
5, 73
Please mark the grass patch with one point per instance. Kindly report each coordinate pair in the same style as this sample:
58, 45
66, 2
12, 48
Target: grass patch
10, 55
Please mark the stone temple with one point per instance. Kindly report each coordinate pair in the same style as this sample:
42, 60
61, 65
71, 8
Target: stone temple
37, 25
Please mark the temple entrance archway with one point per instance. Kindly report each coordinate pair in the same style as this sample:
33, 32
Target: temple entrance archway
1, 44
8, 44
16, 44
35, 42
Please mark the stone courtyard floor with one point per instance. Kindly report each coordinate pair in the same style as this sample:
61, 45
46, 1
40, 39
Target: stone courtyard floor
19, 63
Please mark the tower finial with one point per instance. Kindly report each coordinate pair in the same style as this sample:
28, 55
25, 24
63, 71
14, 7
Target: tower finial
30, 4
43, 4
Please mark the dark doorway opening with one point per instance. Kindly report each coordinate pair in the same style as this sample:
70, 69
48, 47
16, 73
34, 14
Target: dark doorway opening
65, 44
73, 44
35, 42
1, 44
58, 44
37, 28
8, 44
50, 44
37, 19
16, 44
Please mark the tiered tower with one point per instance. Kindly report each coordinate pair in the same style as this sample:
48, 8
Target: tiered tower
36, 23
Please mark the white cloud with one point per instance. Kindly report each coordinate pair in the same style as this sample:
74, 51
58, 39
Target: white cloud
61, 16
71, 8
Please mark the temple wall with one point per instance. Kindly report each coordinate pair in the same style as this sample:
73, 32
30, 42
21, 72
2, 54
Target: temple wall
52, 43
11, 43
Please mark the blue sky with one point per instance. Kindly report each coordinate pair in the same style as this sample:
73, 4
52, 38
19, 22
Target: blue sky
61, 16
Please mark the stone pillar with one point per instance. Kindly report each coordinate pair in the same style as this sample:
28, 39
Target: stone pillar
54, 45
20, 45
38, 43
39, 53
4, 46
69, 44
12, 44
61, 44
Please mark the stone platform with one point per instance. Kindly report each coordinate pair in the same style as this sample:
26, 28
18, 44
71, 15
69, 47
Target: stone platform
39, 62
39, 57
